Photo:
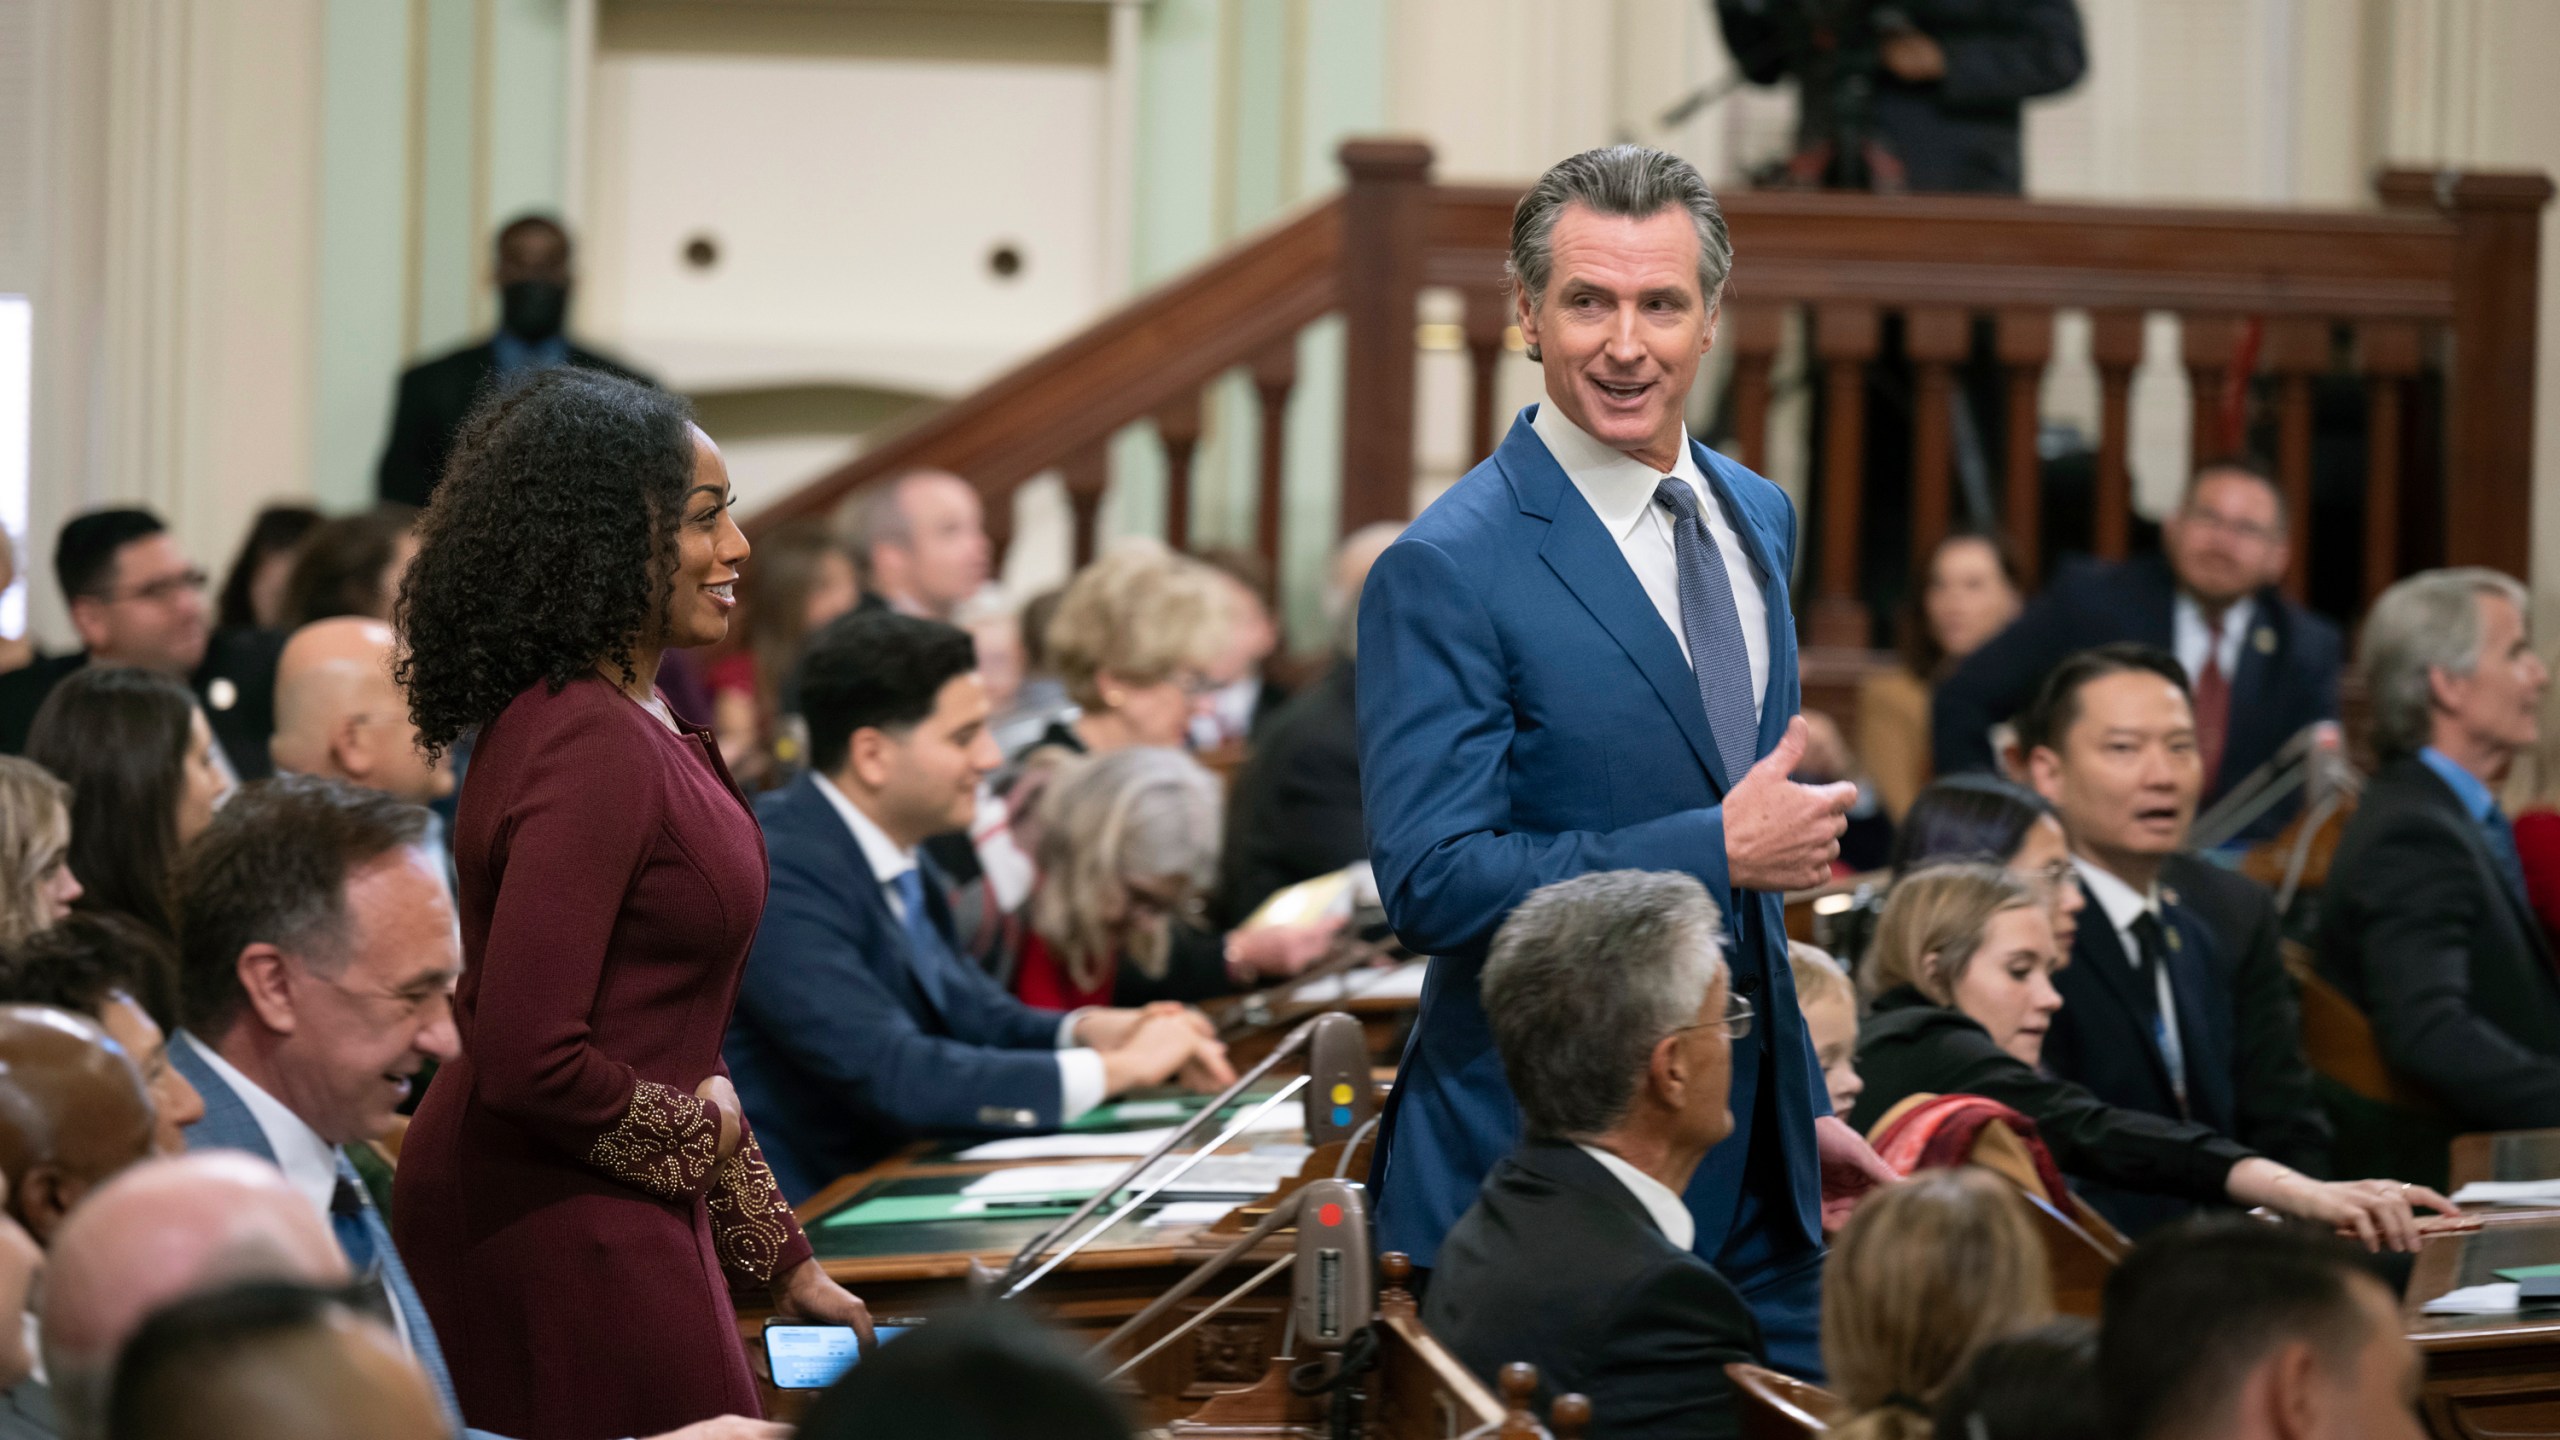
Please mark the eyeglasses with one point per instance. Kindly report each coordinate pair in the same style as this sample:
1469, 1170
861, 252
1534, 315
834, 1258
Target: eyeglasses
1736, 1021
164, 589
2232, 525
2054, 876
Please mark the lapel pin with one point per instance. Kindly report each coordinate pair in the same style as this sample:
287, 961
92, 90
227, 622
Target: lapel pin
2174, 942
222, 694
2265, 639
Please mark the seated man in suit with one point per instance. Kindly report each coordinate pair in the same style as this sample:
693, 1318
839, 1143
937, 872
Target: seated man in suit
534, 281
116, 971
136, 599
1577, 1255
1295, 813
920, 544
2262, 666
2160, 1012
2233, 1330
2424, 922
858, 1026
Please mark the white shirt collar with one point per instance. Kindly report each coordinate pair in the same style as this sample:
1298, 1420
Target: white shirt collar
309, 1162
1668, 1210
1619, 487
888, 859
2121, 901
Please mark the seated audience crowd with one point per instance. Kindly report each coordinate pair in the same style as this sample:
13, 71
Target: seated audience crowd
1011, 863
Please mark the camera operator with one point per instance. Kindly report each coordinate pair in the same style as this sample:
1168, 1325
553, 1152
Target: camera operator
1920, 95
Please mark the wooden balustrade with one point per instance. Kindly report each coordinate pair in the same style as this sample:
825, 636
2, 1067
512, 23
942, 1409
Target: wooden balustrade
2443, 278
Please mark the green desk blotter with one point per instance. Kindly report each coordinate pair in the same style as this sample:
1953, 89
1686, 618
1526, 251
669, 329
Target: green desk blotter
2522, 1273
912, 1209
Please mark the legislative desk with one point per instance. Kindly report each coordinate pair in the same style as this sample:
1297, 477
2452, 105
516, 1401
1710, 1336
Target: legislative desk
2488, 1375
2506, 1155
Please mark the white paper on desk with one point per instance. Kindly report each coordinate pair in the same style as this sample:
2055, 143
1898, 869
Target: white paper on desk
1127, 1144
2496, 1298
1078, 1180
2509, 1192
1401, 982
1192, 1212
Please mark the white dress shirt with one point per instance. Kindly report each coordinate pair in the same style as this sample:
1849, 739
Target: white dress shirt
2123, 905
2192, 638
1081, 1082
309, 1163
1620, 491
1667, 1209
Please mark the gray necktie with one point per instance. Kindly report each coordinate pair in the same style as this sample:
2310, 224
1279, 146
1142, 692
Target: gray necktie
1714, 631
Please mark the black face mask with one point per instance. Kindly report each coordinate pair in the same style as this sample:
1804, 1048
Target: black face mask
533, 310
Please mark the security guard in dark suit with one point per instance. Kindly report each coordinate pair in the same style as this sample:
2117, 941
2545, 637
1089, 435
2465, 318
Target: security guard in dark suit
2160, 1013
534, 282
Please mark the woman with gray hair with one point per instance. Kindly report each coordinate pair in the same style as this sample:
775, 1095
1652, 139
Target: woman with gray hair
1125, 844
2425, 924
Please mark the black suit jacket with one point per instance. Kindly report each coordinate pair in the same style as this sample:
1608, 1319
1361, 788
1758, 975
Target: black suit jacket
2288, 678
434, 396
1558, 1264
1295, 813
2238, 1026
2420, 929
236, 684
1910, 1046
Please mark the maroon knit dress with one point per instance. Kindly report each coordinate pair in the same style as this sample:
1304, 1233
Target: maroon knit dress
557, 1201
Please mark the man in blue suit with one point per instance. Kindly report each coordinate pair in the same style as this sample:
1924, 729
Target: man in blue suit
2261, 666
1580, 658
859, 1028
316, 972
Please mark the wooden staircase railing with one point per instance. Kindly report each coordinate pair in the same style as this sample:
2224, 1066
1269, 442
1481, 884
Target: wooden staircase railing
2443, 277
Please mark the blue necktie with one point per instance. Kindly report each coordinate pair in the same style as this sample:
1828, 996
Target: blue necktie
1714, 631
346, 1217
932, 960
2502, 844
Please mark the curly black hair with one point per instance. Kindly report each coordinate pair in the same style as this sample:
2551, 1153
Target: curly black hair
87, 959
548, 548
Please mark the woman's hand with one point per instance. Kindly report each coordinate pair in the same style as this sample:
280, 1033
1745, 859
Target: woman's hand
721, 1096
808, 1293
2377, 1213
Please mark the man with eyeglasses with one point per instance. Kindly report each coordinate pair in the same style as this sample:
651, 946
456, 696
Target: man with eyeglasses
136, 599
1578, 1254
2262, 667
2175, 1000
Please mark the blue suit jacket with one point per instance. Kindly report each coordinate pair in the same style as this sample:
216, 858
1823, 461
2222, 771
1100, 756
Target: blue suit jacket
2288, 677
228, 1125
839, 1055
1525, 717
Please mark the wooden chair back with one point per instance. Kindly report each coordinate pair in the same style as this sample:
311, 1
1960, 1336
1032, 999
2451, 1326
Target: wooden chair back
1781, 1407
2338, 1040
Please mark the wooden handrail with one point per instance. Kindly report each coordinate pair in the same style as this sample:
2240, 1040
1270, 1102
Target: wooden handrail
1162, 345
2451, 255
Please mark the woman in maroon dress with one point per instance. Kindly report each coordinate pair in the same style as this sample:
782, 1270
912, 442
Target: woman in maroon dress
579, 1190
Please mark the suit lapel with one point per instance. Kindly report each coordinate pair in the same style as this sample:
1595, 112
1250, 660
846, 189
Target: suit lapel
1586, 558
2097, 947
2203, 1034
862, 888
227, 1123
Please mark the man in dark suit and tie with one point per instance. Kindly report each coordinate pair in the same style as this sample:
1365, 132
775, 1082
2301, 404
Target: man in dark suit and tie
2161, 1012
1576, 1256
2424, 921
1580, 658
2261, 667
534, 281
858, 1026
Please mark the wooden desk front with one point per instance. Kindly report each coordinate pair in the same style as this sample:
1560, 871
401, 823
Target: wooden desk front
2489, 1377
2506, 1155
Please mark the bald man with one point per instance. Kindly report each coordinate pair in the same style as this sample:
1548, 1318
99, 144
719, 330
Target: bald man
920, 542
168, 1228
73, 1112
340, 715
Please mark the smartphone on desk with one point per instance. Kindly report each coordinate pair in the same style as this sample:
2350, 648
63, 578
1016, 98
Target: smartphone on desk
813, 1357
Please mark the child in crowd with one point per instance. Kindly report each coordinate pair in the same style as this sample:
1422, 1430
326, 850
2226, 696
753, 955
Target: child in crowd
1831, 1012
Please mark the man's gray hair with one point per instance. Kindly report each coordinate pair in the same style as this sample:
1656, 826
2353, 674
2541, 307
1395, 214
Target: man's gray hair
1630, 180
1585, 978
878, 516
2426, 623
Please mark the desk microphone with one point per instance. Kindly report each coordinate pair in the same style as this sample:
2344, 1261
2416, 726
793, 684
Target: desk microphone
1335, 1281
1338, 1096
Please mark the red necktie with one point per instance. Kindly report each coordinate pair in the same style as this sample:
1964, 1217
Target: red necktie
2213, 703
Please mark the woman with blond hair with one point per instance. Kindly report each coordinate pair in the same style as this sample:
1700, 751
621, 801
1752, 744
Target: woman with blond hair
1925, 1274
36, 883
1137, 640
1962, 970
